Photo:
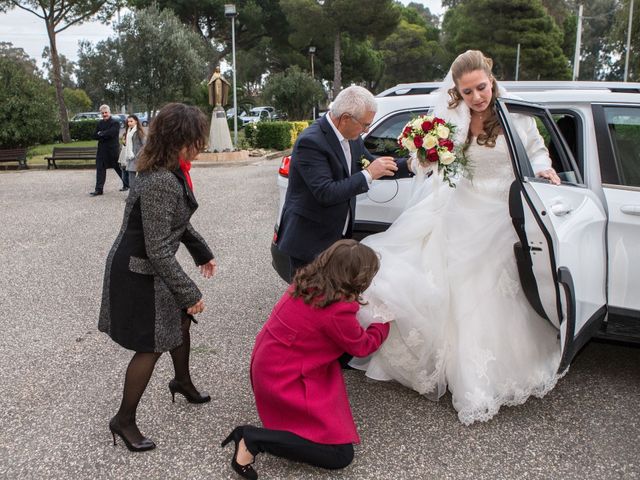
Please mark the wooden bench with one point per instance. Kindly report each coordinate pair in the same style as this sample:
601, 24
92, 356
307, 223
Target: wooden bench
14, 155
71, 153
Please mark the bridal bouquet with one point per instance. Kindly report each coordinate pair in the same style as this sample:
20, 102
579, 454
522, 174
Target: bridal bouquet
430, 140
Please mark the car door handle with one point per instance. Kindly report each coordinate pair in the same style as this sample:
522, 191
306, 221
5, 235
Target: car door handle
630, 209
560, 209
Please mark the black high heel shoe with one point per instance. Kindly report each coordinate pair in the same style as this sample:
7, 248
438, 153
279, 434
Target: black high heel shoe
175, 387
245, 471
141, 446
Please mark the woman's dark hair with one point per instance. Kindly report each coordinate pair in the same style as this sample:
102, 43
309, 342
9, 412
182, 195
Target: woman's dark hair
176, 126
342, 272
471, 61
139, 129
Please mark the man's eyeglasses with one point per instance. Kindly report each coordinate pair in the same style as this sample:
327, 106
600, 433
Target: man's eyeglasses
365, 126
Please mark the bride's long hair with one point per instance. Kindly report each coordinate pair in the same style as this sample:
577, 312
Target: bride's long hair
471, 61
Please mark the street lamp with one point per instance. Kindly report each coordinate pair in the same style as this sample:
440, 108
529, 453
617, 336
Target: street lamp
230, 12
312, 51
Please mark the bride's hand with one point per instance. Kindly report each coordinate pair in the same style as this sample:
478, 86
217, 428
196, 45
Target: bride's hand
551, 175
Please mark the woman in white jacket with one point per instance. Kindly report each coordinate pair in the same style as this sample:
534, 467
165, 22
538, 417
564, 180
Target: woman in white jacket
448, 275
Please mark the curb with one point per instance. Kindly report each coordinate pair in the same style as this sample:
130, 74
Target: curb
240, 163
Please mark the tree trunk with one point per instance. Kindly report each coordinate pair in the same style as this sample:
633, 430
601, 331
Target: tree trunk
57, 81
337, 66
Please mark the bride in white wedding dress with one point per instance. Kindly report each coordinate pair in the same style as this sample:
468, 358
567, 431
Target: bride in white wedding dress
448, 276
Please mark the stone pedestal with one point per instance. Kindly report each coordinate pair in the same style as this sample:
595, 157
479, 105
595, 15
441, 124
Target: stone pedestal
219, 136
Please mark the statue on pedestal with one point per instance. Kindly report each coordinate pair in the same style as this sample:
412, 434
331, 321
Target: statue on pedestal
218, 89
219, 136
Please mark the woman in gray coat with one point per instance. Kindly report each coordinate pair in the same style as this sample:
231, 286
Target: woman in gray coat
148, 301
134, 140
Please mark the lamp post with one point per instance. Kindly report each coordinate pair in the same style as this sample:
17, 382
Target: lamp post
626, 58
312, 51
230, 12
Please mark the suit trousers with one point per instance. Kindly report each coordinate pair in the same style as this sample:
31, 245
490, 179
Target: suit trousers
293, 447
101, 176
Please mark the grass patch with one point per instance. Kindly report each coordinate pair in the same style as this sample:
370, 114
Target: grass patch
35, 155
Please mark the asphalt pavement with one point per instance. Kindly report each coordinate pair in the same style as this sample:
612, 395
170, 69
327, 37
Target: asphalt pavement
61, 379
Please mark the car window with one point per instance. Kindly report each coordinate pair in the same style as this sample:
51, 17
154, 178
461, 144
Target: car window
561, 158
624, 132
383, 138
570, 127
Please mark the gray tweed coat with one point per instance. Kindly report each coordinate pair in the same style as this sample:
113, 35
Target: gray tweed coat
146, 291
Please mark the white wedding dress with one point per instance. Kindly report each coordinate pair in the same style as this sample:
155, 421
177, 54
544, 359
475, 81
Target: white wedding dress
448, 278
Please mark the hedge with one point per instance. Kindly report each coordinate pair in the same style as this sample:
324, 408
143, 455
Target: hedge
276, 135
83, 129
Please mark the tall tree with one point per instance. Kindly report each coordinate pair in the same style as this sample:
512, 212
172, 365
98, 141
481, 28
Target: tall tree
153, 59
7, 50
618, 39
256, 20
67, 69
329, 21
497, 26
413, 52
58, 15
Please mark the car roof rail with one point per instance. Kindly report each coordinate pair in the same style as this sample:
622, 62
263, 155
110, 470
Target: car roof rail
424, 88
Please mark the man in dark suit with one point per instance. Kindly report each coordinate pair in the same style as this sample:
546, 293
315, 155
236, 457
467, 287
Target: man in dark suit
107, 133
325, 175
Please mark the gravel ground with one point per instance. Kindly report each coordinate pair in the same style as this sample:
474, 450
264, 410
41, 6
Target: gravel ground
60, 379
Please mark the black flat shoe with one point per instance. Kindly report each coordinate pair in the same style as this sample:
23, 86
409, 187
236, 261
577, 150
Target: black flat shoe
141, 446
245, 471
124, 189
175, 387
95, 193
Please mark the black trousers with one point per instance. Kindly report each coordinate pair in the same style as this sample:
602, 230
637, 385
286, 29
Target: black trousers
293, 447
101, 176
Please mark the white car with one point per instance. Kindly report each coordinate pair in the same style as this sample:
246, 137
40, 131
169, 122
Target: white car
258, 114
579, 247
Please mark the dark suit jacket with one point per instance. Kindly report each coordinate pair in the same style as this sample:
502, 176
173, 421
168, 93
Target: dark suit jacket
321, 192
107, 132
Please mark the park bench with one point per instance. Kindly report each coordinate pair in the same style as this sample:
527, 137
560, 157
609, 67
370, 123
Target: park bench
14, 155
71, 153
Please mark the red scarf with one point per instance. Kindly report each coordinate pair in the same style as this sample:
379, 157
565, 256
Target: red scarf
185, 167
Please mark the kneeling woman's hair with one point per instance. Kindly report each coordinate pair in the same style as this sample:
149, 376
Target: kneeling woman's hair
342, 272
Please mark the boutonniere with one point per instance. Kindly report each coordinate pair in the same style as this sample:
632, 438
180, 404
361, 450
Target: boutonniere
364, 162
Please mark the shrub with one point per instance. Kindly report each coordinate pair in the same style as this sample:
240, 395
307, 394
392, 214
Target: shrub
83, 129
275, 135
250, 132
296, 129
27, 107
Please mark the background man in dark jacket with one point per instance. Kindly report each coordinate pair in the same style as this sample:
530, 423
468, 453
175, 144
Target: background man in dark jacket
107, 133
326, 173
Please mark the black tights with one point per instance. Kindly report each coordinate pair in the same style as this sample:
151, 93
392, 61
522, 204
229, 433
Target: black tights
138, 375
293, 447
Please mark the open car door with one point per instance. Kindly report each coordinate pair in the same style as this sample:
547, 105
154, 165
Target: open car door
562, 252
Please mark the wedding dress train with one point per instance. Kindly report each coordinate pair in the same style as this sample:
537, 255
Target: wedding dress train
449, 280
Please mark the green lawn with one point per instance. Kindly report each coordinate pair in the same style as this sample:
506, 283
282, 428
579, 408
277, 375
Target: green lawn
35, 155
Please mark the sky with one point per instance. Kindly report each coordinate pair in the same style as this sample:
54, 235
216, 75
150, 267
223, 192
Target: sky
25, 30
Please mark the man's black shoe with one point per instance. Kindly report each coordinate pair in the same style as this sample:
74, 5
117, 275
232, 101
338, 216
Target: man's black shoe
124, 189
95, 193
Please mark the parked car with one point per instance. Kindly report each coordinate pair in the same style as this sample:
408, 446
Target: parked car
144, 118
579, 241
121, 117
258, 114
78, 117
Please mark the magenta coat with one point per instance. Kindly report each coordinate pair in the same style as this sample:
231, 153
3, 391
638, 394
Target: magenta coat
296, 376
